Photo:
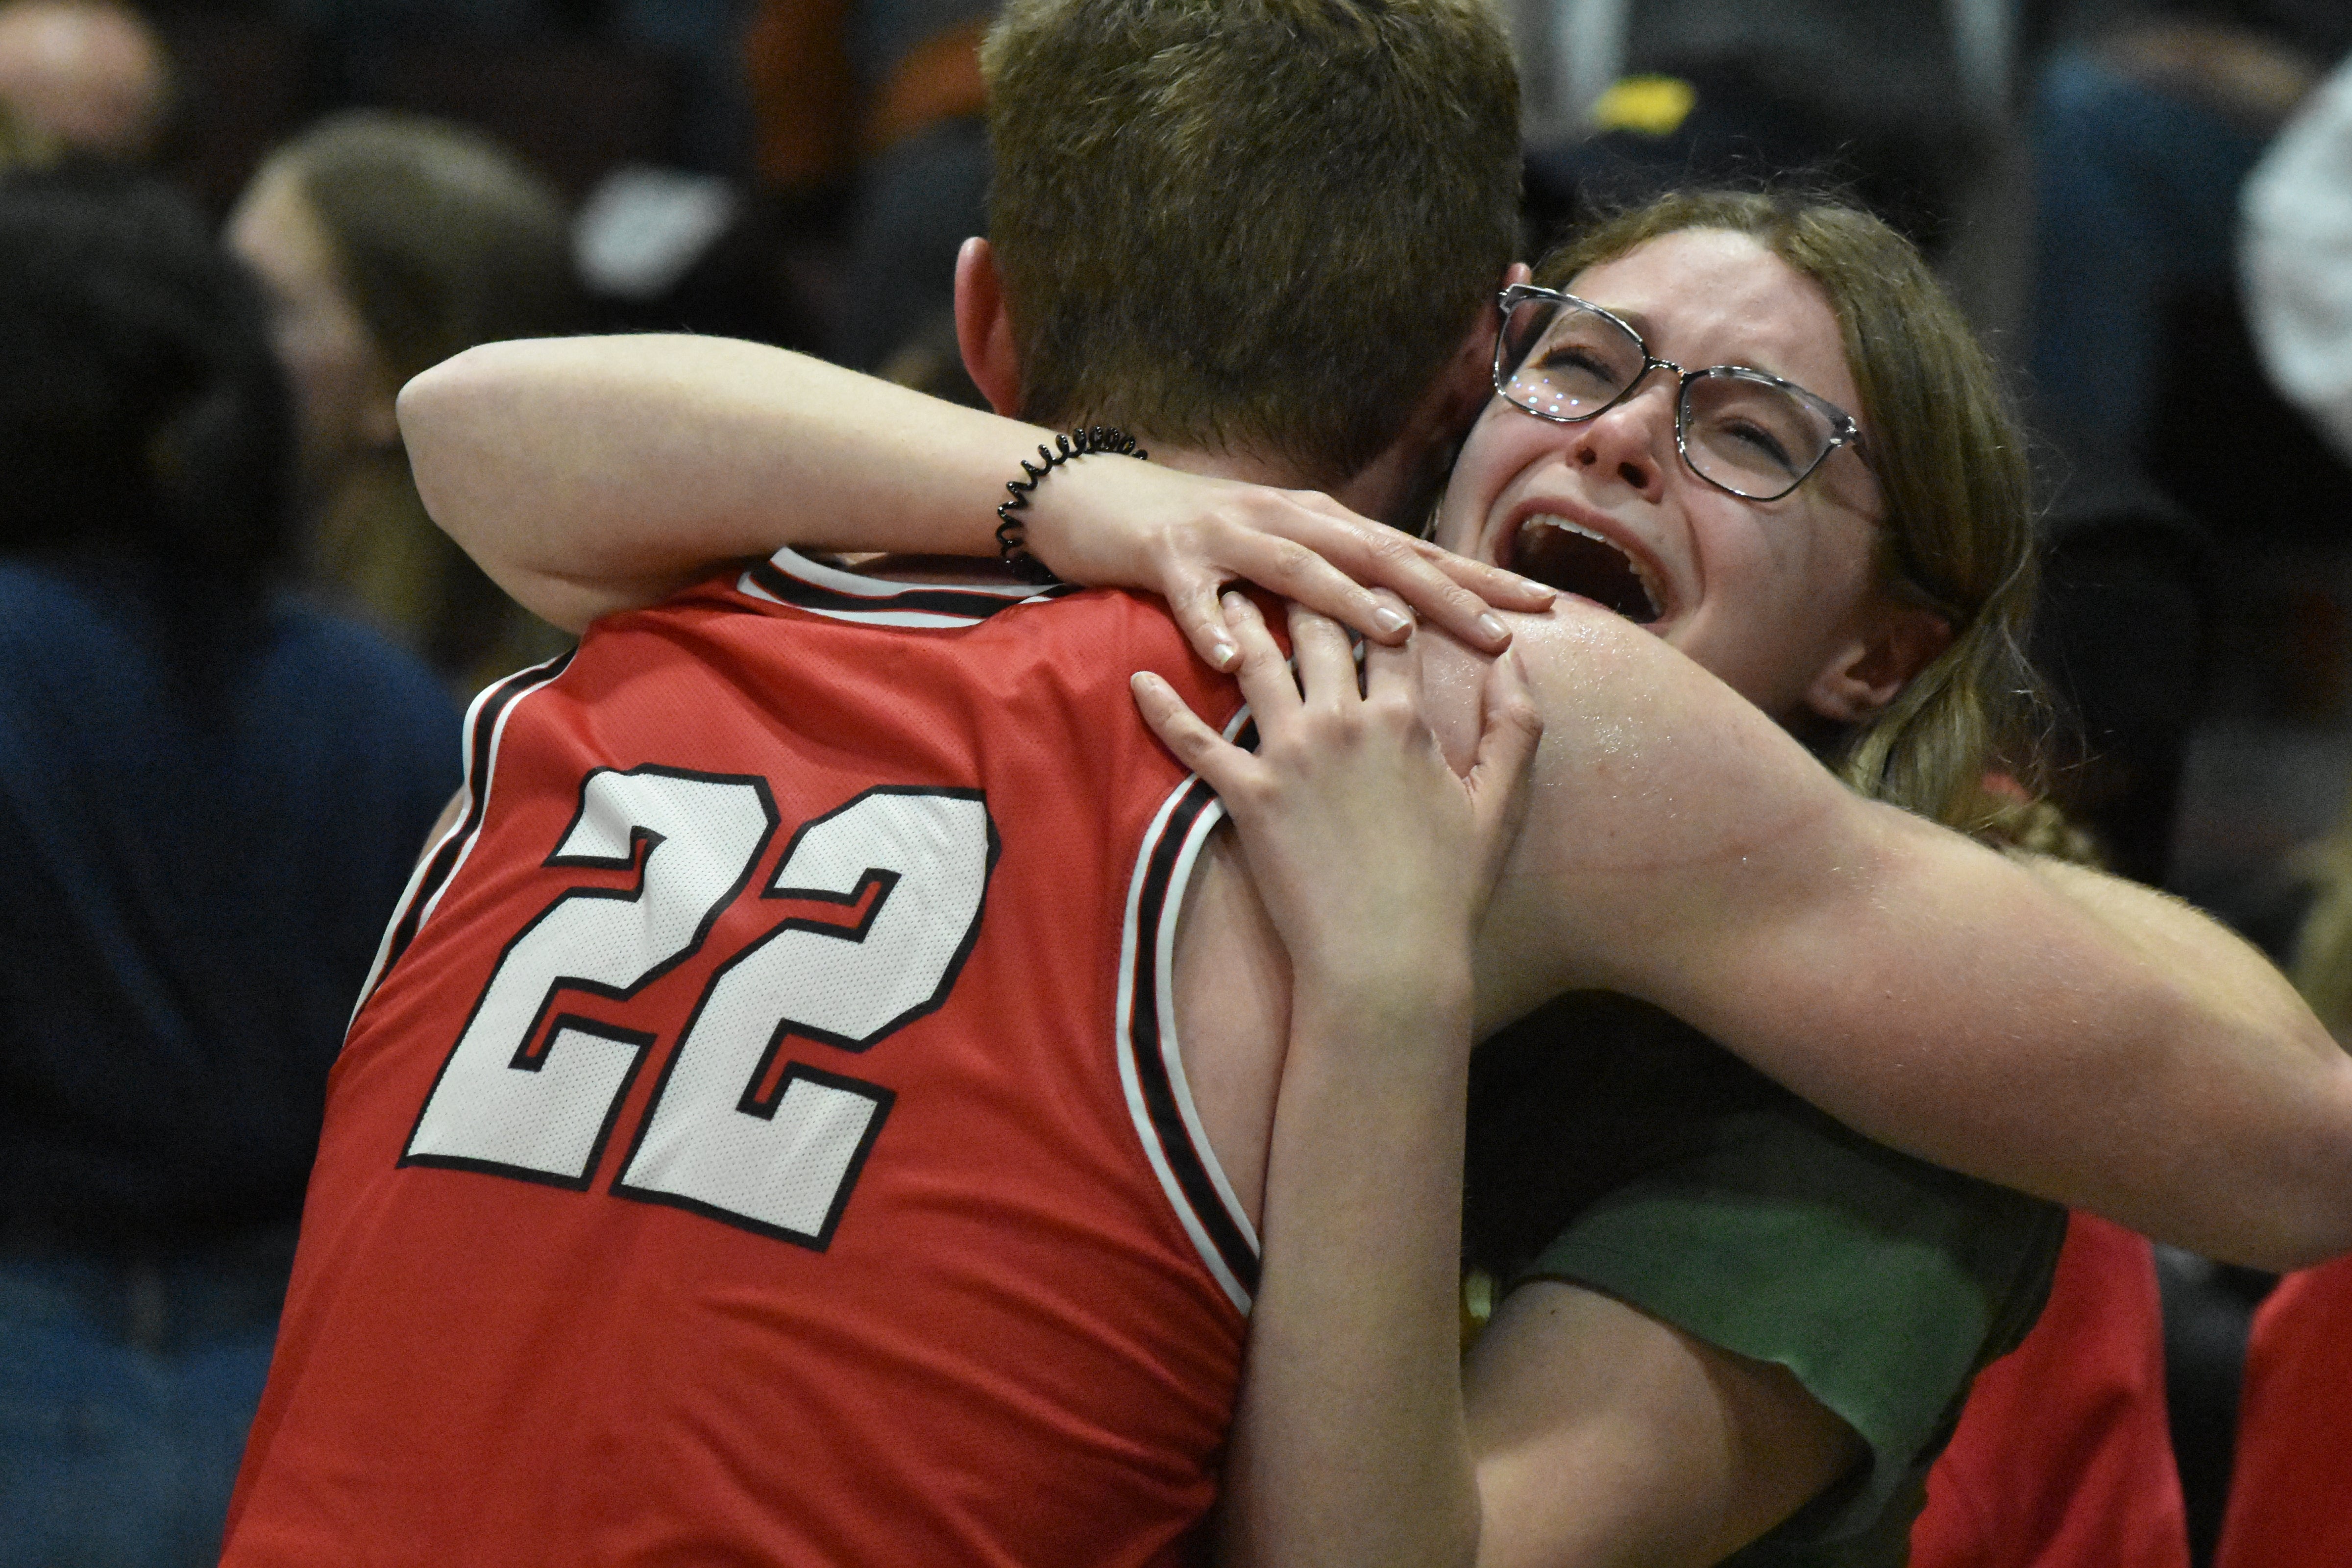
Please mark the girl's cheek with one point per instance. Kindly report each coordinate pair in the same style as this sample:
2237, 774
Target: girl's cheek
1459, 523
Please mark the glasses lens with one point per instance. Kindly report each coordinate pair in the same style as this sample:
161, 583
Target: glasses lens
1751, 434
1565, 362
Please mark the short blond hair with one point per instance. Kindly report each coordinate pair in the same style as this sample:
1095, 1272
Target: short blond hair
1259, 226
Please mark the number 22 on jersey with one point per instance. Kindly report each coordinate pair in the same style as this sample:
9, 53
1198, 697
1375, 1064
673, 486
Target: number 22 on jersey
730, 1131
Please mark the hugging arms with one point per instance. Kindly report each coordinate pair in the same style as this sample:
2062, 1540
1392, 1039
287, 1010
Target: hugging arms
2088, 1040
1681, 846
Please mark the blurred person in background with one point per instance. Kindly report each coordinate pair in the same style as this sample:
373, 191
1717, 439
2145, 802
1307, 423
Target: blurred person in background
878, 105
2145, 124
2287, 1492
2294, 1416
84, 74
2296, 264
2295, 259
201, 847
385, 243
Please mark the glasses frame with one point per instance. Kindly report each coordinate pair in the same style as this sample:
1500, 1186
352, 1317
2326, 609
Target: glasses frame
1844, 430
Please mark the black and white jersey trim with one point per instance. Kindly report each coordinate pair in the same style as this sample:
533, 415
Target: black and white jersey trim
791, 578
485, 724
1151, 1067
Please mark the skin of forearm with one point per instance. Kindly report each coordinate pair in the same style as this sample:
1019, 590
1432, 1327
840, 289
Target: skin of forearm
555, 463
2076, 1036
1352, 1364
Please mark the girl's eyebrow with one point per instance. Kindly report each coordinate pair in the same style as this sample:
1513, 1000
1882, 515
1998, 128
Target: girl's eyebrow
1637, 319
1647, 327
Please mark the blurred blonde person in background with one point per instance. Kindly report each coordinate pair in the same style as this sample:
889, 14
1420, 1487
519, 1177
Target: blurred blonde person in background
387, 243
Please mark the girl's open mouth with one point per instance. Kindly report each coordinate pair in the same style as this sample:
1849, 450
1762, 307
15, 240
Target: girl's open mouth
1574, 558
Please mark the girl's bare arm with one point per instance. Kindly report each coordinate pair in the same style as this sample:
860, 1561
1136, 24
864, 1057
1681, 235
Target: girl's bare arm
589, 475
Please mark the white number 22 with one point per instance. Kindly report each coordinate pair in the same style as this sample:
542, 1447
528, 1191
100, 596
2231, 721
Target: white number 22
727, 1133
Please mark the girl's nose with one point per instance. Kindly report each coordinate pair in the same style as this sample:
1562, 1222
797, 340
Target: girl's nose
1634, 441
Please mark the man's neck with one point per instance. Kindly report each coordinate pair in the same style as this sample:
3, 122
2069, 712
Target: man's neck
1378, 490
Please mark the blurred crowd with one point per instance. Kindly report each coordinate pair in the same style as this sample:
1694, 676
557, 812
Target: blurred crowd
2148, 206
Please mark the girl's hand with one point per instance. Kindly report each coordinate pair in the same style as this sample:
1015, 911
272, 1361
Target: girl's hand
1112, 522
1374, 858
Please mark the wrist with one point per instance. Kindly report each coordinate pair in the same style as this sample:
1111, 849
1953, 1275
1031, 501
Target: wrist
1412, 963
1405, 1007
1012, 514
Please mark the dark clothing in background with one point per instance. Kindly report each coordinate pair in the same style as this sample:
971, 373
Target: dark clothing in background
195, 889
883, 33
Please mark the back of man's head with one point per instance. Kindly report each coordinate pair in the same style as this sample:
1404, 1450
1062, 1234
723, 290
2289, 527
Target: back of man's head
1249, 225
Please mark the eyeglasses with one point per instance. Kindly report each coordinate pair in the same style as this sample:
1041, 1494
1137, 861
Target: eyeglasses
1563, 359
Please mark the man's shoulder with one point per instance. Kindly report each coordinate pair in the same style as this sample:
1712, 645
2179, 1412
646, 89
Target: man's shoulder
1073, 636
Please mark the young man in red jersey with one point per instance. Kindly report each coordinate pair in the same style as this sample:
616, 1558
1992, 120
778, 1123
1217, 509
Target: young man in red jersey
1020, 1285
764, 1138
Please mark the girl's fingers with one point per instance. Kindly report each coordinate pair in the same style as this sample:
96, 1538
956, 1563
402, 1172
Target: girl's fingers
1266, 682
1394, 670
1308, 547
1498, 585
1302, 569
1444, 589
1183, 732
1192, 600
1326, 660
1510, 728
1417, 574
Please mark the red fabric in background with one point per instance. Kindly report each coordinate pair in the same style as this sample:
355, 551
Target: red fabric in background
2062, 1458
2291, 1495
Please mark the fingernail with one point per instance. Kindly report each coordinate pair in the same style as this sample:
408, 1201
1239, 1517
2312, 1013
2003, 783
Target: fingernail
1232, 601
1390, 620
1492, 627
1543, 590
1221, 655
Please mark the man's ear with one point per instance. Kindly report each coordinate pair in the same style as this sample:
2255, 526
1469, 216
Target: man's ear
984, 329
1462, 388
1893, 643
1469, 379
1401, 485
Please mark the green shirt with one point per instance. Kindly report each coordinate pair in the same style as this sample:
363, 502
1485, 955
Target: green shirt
1615, 1148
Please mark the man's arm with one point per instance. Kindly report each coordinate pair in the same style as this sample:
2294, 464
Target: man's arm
591, 475
2081, 1039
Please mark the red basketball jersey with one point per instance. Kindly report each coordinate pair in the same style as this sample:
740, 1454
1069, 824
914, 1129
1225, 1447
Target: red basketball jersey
2063, 1458
2291, 1493
763, 1140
